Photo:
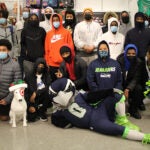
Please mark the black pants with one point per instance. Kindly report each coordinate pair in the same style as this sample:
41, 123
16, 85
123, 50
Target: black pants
42, 98
136, 98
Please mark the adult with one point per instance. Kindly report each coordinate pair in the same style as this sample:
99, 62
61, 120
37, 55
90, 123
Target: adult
71, 110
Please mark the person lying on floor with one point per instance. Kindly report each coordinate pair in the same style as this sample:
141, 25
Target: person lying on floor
71, 109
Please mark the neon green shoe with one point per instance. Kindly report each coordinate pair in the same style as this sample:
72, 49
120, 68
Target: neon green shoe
146, 139
123, 121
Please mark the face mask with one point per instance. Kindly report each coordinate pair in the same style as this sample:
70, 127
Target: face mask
69, 21
56, 24
139, 24
67, 59
88, 16
40, 70
131, 58
103, 54
146, 23
25, 15
125, 19
3, 20
113, 29
3, 55
34, 23
48, 16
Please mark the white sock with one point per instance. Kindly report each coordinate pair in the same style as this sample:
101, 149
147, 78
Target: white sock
146, 100
120, 108
135, 135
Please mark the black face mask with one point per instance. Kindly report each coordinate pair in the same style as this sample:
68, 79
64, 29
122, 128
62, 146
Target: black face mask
40, 70
88, 16
131, 59
139, 25
34, 23
69, 21
125, 19
48, 16
67, 59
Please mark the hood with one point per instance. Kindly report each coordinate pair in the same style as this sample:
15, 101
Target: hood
110, 21
127, 63
138, 14
70, 11
50, 9
40, 61
106, 16
61, 21
103, 42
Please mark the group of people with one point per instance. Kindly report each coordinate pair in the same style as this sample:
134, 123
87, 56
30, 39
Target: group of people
60, 59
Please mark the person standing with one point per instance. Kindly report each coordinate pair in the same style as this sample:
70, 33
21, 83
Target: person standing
70, 21
125, 24
46, 24
139, 35
32, 43
55, 38
114, 39
86, 34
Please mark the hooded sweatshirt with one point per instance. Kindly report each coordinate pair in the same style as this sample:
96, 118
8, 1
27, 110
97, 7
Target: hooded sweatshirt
46, 24
115, 41
104, 74
139, 36
132, 73
55, 39
125, 27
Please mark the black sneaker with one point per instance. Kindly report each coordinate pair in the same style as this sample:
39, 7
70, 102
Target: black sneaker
43, 117
142, 107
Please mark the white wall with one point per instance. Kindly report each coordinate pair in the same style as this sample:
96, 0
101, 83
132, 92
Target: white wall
108, 5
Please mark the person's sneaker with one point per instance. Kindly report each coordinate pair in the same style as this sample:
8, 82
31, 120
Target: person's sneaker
123, 121
135, 114
43, 117
146, 139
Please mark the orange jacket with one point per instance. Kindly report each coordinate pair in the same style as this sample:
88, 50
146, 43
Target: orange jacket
56, 38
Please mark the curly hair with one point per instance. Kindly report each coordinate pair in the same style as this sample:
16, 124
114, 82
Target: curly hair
5, 42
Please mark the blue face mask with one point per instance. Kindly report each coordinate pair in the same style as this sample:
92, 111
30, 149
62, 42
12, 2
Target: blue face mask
103, 53
3, 55
146, 23
56, 24
25, 15
2, 20
113, 29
